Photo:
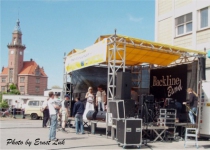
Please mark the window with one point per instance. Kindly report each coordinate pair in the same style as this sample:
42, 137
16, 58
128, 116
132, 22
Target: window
10, 75
37, 72
3, 80
37, 80
3, 89
33, 103
22, 79
10, 80
22, 88
204, 17
37, 89
183, 24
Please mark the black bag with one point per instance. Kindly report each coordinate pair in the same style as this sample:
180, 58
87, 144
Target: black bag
91, 115
101, 115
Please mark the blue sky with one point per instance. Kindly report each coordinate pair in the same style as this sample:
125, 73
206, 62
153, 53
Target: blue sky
52, 27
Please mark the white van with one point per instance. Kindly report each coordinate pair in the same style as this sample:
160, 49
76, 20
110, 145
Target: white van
33, 108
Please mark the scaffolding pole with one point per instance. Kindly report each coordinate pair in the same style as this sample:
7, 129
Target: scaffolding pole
66, 81
116, 60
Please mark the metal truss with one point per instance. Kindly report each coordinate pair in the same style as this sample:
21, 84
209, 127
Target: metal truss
116, 49
66, 81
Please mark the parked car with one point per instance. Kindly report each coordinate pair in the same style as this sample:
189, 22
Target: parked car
33, 108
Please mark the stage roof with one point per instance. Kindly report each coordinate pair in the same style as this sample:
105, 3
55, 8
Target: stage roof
140, 51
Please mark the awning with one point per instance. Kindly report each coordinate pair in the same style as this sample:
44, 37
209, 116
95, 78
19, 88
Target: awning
138, 51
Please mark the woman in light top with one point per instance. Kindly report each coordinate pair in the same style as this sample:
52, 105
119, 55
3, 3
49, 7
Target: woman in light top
90, 102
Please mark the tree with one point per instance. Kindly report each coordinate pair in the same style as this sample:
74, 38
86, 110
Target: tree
1, 96
12, 87
56, 87
4, 104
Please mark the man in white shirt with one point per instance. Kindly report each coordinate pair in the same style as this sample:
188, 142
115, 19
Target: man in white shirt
23, 109
53, 116
101, 98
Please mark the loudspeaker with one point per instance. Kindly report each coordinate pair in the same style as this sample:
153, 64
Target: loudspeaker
123, 85
91, 115
129, 108
116, 107
129, 131
202, 64
101, 115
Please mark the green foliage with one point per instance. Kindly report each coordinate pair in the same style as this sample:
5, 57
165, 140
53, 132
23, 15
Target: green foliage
13, 90
4, 104
56, 87
12, 87
1, 96
16, 92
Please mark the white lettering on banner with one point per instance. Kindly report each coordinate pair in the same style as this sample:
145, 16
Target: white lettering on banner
173, 84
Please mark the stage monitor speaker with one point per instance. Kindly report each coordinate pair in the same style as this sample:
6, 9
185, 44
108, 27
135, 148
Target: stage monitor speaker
129, 108
123, 85
117, 108
91, 115
129, 131
101, 115
202, 63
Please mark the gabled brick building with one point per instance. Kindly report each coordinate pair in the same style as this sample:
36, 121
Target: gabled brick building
26, 75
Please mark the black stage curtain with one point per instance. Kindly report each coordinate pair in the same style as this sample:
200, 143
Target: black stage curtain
169, 83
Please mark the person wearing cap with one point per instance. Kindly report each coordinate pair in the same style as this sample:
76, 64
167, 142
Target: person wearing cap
64, 111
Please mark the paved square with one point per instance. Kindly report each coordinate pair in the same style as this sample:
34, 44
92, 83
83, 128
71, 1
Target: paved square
29, 134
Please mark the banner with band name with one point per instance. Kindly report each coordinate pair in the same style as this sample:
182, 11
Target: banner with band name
169, 83
90, 56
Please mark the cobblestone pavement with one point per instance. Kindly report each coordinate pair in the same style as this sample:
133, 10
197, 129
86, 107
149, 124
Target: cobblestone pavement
28, 134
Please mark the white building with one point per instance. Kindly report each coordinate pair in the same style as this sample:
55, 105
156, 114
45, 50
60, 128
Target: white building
184, 23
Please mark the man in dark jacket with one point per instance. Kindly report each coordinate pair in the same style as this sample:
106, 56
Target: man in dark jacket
78, 111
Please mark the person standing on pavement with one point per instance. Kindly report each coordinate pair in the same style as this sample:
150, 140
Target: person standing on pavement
78, 111
53, 117
14, 109
46, 114
101, 98
64, 111
23, 109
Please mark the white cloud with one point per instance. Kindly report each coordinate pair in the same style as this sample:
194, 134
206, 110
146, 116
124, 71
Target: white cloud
135, 19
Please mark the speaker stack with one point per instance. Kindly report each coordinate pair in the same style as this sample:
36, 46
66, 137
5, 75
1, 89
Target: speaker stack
123, 85
128, 128
123, 92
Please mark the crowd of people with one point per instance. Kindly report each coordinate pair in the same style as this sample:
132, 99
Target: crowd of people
55, 109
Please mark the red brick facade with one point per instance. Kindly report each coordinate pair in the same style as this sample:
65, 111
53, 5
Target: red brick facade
29, 78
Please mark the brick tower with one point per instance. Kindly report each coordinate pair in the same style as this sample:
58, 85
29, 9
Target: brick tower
16, 55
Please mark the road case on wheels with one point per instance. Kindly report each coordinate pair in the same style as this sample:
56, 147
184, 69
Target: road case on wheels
129, 132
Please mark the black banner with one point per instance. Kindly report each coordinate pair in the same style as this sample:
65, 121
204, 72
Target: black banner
169, 83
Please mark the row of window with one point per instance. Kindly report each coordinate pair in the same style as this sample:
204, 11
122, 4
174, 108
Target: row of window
184, 24
22, 80
3, 80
